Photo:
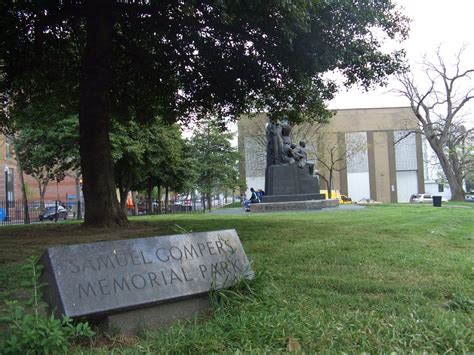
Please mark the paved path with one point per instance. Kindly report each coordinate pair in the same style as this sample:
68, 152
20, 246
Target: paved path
242, 211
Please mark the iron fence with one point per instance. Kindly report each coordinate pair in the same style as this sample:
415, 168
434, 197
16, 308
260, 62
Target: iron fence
194, 205
14, 212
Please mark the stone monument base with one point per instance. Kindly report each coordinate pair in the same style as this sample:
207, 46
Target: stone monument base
293, 205
293, 198
290, 180
154, 317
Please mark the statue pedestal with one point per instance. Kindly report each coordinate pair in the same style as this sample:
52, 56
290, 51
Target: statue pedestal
285, 183
293, 206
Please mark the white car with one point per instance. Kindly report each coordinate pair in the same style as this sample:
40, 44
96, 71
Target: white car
420, 198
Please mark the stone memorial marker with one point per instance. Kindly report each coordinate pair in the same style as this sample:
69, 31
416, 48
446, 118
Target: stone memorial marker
289, 176
104, 278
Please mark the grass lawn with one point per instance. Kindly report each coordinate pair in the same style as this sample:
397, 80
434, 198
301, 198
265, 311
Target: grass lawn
380, 279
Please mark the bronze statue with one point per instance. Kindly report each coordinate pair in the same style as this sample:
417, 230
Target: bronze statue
280, 150
289, 175
302, 157
273, 129
300, 154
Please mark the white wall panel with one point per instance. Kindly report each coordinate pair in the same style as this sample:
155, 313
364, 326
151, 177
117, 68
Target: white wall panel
358, 186
407, 184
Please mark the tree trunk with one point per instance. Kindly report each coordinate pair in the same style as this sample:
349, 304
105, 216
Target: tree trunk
101, 205
26, 214
149, 200
330, 185
458, 194
455, 184
209, 204
124, 190
166, 199
158, 189
78, 197
42, 191
134, 200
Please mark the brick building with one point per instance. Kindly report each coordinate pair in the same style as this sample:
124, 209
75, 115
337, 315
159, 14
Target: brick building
63, 191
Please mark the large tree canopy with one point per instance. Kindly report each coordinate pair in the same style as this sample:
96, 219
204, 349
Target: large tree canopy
184, 60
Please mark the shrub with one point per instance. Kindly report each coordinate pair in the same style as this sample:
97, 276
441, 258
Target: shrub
30, 331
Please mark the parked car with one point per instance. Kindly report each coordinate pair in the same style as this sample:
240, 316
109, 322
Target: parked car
421, 198
50, 213
469, 198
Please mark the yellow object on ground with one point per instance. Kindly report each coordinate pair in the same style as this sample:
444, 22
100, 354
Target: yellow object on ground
335, 194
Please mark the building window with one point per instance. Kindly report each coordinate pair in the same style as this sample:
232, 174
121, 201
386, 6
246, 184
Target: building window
11, 186
440, 187
8, 151
356, 152
405, 151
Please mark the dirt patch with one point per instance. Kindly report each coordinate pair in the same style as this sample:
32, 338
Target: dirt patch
19, 242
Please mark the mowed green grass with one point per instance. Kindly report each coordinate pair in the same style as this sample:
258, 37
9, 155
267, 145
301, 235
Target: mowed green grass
379, 279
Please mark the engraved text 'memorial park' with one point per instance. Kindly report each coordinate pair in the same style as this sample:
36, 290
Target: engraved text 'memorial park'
98, 278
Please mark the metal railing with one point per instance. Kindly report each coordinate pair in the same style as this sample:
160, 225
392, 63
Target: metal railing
13, 212
195, 205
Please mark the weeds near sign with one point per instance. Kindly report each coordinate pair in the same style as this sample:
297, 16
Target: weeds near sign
181, 230
32, 332
251, 316
459, 303
243, 292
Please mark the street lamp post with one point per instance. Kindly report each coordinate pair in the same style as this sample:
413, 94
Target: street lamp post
7, 217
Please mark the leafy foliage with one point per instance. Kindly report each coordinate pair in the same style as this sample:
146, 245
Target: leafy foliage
215, 159
179, 59
47, 152
36, 333
146, 152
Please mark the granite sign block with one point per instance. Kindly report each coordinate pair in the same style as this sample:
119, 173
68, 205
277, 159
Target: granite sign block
105, 277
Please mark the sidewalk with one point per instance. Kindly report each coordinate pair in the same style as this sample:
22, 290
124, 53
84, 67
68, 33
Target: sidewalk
241, 210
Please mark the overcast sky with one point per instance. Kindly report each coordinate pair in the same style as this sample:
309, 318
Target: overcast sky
434, 22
